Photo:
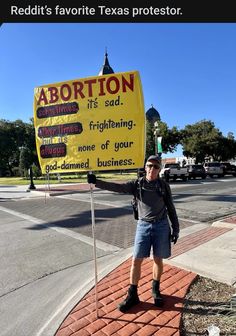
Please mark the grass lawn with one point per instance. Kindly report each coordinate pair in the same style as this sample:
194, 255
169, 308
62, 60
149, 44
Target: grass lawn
69, 178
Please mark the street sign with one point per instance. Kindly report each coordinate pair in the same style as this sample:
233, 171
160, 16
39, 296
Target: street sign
159, 145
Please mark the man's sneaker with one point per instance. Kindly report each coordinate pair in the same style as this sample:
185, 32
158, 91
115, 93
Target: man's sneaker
130, 301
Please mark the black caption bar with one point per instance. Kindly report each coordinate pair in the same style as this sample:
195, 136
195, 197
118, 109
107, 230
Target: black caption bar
118, 11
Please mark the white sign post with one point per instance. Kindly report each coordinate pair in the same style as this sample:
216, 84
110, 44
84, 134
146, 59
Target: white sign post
94, 249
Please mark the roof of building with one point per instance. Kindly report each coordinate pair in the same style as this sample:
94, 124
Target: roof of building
152, 115
106, 69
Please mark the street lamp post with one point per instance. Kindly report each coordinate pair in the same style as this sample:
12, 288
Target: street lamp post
157, 139
31, 186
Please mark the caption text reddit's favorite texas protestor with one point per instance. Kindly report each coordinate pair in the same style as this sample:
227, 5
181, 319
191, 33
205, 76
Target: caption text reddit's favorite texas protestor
98, 11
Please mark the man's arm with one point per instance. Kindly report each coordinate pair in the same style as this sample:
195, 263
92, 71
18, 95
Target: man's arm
171, 213
127, 188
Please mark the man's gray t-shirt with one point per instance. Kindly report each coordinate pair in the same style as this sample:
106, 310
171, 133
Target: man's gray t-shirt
152, 204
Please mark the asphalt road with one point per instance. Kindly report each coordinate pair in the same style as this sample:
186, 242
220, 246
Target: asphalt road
46, 248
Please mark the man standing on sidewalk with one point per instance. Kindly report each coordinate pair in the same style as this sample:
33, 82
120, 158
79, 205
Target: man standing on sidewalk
155, 205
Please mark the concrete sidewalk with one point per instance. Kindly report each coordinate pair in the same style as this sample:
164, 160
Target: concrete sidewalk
17, 192
208, 251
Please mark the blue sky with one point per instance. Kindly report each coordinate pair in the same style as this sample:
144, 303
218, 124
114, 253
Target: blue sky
188, 70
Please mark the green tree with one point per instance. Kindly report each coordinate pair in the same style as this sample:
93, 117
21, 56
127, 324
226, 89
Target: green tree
171, 137
8, 147
150, 144
230, 135
25, 161
225, 149
13, 136
203, 140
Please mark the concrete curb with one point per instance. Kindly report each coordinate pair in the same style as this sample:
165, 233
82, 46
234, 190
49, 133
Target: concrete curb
224, 224
228, 222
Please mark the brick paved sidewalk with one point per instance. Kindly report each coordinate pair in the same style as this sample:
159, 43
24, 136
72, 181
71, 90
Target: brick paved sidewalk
145, 319
64, 188
55, 190
231, 220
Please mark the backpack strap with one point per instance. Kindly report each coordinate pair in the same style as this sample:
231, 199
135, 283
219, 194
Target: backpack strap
160, 188
163, 189
138, 187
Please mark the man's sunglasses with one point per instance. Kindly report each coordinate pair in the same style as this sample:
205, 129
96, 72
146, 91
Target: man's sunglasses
152, 166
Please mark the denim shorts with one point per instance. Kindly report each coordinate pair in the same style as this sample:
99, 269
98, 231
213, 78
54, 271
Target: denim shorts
152, 235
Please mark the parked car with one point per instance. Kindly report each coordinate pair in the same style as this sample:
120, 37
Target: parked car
196, 170
228, 168
174, 171
213, 168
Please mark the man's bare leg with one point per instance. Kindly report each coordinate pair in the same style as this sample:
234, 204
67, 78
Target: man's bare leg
135, 271
157, 268
157, 272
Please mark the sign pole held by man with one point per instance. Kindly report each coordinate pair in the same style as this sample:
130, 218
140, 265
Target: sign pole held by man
94, 247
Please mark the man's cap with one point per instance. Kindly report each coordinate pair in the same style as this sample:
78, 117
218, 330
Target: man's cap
154, 158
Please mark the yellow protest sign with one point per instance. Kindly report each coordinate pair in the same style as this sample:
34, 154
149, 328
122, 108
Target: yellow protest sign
95, 123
